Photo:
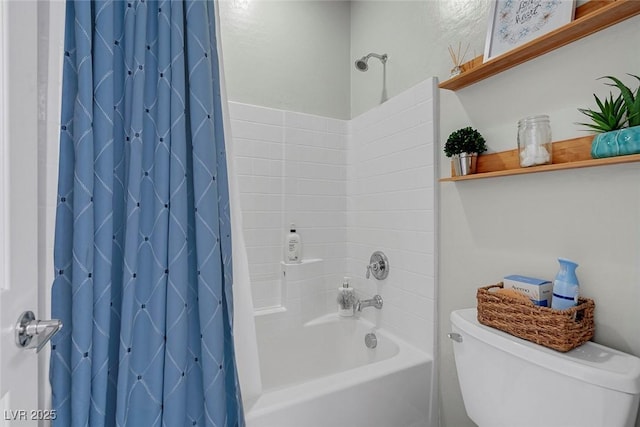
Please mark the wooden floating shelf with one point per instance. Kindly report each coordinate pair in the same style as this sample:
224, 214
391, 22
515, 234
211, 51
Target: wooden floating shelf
590, 18
569, 154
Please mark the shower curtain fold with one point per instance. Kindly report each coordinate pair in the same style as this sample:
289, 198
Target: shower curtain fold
245, 342
143, 252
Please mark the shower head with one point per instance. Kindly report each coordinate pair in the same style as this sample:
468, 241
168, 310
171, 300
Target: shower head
361, 64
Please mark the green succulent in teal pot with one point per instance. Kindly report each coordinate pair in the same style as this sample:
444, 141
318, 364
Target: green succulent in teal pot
610, 115
616, 121
621, 142
631, 99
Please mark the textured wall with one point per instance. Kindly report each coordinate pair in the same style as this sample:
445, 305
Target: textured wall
415, 35
290, 55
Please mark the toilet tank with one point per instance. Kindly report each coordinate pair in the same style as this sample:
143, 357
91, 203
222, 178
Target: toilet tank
509, 382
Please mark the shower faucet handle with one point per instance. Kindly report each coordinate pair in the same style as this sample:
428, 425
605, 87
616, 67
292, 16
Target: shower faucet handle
375, 267
378, 265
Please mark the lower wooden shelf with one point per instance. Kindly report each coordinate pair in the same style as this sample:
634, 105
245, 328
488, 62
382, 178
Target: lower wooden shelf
568, 154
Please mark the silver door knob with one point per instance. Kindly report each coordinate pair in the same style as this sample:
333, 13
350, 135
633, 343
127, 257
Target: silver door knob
32, 333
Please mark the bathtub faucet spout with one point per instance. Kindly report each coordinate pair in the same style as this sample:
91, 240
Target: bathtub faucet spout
376, 302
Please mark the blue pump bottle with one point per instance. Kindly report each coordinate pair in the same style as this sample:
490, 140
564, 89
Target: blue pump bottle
565, 286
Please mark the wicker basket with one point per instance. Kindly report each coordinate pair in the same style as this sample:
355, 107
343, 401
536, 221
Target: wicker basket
560, 330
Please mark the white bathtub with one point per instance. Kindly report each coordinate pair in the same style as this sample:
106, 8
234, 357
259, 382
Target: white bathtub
323, 375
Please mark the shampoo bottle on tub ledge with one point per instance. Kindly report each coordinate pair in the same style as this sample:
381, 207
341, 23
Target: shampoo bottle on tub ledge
346, 299
565, 286
293, 246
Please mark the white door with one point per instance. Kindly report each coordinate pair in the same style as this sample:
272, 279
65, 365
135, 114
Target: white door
18, 208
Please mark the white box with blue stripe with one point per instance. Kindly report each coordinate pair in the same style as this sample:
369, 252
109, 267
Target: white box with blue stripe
539, 291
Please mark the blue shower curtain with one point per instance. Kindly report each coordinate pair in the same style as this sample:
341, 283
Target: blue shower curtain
143, 241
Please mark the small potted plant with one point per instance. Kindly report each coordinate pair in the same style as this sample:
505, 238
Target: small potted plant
464, 146
616, 122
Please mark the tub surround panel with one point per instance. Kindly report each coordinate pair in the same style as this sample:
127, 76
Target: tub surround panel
391, 208
258, 144
303, 288
315, 198
292, 168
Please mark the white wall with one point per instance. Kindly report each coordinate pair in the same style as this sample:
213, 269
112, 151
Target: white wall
290, 55
415, 35
522, 224
299, 55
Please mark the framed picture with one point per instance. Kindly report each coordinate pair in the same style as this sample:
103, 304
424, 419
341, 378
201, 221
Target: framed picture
515, 22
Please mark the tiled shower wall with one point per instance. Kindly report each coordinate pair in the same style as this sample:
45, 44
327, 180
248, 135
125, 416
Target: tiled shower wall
391, 208
351, 187
291, 169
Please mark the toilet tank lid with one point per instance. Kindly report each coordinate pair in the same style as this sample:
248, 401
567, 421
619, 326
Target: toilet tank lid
591, 362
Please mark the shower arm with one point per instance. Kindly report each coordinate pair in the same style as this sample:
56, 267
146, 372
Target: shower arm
382, 58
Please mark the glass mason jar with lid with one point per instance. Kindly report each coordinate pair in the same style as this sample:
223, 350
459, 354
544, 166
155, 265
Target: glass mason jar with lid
534, 141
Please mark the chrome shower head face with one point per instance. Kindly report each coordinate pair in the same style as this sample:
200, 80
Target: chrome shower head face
361, 64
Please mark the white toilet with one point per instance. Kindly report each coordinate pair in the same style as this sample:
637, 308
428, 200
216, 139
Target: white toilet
510, 382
